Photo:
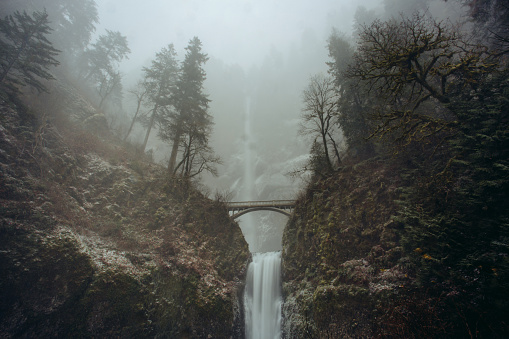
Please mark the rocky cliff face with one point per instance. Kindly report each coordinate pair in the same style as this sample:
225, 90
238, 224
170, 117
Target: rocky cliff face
356, 266
95, 241
341, 259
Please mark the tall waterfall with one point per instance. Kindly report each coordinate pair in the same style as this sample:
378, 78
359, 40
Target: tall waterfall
248, 153
262, 298
248, 225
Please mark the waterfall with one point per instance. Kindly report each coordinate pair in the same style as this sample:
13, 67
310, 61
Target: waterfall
248, 154
262, 297
247, 193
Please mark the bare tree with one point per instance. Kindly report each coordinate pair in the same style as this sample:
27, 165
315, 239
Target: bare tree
415, 67
197, 155
319, 117
110, 85
140, 93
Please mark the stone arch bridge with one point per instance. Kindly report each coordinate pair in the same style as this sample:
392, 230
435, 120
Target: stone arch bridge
237, 209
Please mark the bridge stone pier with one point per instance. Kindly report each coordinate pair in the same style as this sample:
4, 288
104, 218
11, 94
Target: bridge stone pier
280, 206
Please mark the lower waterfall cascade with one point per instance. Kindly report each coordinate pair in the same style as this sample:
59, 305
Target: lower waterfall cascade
262, 297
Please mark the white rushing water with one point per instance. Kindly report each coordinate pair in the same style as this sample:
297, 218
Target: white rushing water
249, 177
247, 193
262, 298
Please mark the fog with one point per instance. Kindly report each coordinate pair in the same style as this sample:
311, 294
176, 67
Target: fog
263, 53
236, 32
261, 56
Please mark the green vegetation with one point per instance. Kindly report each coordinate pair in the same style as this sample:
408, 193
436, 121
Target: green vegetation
409, 237
26, 54
95, 239
179, 109
100, 66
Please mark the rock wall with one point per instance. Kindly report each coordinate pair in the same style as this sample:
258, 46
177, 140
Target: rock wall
356, 266
340, 254
95, 241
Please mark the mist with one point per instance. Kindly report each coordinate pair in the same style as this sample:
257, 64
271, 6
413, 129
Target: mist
254, 169
261, 52
262, 55
237, 32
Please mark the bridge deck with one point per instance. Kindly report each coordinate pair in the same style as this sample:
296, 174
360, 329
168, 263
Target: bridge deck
251, 204
242, 207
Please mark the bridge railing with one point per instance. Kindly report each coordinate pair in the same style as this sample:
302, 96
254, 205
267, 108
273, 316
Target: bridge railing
265, 203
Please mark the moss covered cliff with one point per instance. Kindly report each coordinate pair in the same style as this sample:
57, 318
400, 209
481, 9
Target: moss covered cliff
339, 249
96, 241
356, 266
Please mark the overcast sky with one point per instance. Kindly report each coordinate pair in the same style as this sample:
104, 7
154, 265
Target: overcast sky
235, 31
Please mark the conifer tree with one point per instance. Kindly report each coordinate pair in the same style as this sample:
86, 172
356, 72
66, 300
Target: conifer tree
25, 52
72, 21
159, 81
140, 93
352, 105
101, 64
189, 126
109, 50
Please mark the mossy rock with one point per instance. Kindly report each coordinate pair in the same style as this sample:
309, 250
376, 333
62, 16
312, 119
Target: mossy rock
114, 306
42, 280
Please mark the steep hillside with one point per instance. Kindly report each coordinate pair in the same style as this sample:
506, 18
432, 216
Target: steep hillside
339, 252
96, 241
358, 264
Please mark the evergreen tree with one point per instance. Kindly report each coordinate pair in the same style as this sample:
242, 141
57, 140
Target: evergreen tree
106, 53
492, 22
102, 61
25, 52
189, 126
160, 82
353, 104
456, 221
72, 21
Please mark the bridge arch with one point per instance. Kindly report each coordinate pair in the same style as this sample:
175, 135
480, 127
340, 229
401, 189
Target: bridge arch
254, 209
238, 209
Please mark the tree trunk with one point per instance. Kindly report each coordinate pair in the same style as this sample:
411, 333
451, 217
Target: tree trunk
326, 151
151, 123
134, 120
336, 150
174, 150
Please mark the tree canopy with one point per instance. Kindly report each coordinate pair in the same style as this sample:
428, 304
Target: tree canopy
415, 66
101, 62
160, 81
319, 119
189, 125
26, 54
